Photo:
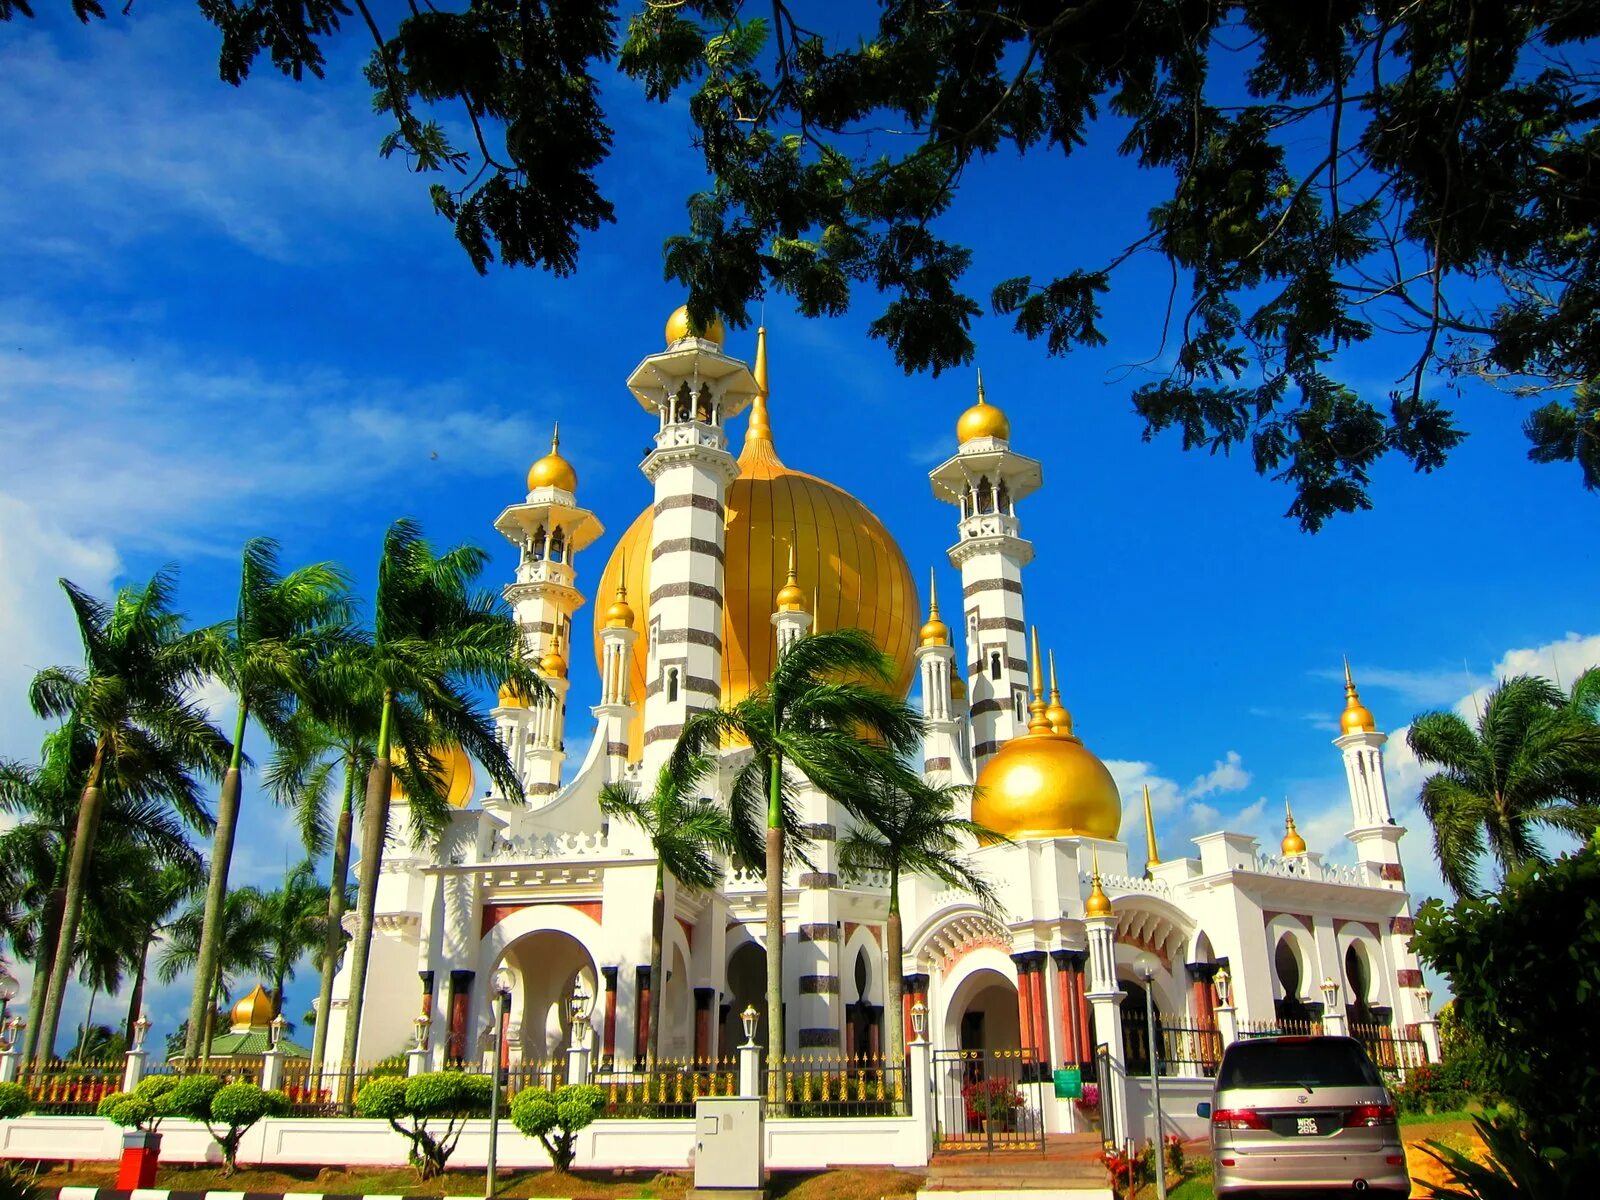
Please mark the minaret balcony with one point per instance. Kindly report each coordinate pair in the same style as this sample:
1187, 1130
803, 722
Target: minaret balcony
545, 570
691, 434
990, 525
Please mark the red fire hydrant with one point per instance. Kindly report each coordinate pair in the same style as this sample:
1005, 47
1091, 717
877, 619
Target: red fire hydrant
141, 1151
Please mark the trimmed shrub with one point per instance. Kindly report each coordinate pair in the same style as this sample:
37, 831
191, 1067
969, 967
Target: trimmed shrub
555, 1117
141, 1108
235, 1107
409, 1105
14, 1100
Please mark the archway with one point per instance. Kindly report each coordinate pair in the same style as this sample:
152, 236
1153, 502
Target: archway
545, 967
983, 1013
747, 986
1136, 1026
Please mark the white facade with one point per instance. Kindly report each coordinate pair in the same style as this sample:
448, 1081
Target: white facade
561, 899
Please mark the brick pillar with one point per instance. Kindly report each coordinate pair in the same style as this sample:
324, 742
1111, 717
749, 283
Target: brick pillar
1025, 1006
641, 1024
704, 999
460, 1010
608, 1053
1067, 999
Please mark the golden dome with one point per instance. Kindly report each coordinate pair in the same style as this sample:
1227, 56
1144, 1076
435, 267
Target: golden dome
511, 696
1356, 717
1292, 843
934, 631
552, 664
552, 470
1044, 785
620, 614
456, 768
678, 327
254, 1011
1098, 903
982, 420
861, 575
790, 598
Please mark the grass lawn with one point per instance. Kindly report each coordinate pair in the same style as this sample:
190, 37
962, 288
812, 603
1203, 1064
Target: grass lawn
850, 1183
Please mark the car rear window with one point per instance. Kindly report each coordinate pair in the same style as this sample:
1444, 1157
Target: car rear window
1317, 1063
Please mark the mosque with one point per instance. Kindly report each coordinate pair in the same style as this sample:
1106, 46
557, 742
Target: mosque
735, 556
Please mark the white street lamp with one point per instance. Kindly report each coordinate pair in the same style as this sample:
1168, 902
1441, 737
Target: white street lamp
1146, 965
141, 1030
500, 982
423, 1023
749, 1017
276, 1030
1223, 982
919, 1019
1330, 996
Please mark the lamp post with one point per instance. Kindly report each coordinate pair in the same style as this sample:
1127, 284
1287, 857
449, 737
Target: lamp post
919, 1020
1146, 965
1332, 1018
141, 1030
8, 992
748, 1019
501, 985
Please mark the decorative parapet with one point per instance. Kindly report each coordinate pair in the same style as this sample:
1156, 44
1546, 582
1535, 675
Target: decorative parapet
544, 846
1300, 866
1131, 883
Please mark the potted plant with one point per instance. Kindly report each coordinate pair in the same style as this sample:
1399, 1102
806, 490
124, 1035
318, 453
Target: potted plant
992, 1102
1089, 1103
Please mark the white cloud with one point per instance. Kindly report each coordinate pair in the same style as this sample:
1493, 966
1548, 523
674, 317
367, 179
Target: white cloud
1182, 812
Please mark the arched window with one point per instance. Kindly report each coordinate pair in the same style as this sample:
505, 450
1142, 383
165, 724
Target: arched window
538, 545
702, 404
1003, 500
558, 546
683, 403
994, 664
985, 495
1018, 707
672, 683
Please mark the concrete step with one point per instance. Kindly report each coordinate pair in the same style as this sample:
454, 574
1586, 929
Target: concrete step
1041, 1193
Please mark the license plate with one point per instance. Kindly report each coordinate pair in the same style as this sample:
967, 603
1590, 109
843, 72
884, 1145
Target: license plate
1303, 1125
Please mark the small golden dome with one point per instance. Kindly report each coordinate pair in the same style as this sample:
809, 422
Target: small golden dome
1356, 717
552, 664
456, 769
511, 696
678, 327
1098, 903
254, 1011
958, 688
552, 470
620, 614
1292, 843
1046, 785
982, 420
790, 598
934, 631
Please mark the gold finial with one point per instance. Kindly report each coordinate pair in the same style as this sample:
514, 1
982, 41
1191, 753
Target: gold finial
934, 631
555, 436
760, 427
553, 664
1293, 843
1098, 904
620, 614
1060, 719
982, 420
1356, 717
1151, 857
790, 598
1037, 722
981, 399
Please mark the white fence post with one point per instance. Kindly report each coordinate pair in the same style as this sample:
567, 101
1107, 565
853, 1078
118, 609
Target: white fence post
1227, 1024
272, 1071
132, 1070
10, 1064
919, 1091
749, 1069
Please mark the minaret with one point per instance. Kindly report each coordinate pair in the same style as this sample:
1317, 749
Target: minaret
1374, 832
615, 713
790, 619
548, 529
1102, 990
985, 480
943, 755
692, 388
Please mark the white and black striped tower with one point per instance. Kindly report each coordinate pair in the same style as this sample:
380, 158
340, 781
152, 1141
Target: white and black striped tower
985, 480
548, 529
693, 389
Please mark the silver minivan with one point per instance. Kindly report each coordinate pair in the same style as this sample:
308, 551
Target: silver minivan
1295, 1115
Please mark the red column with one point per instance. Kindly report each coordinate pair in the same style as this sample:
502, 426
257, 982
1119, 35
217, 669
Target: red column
1041, 1024
608, 1045
1025, 1005
504, 1040
641, 1024
460, 1010
703, 997
1085, 1027
1067, 1004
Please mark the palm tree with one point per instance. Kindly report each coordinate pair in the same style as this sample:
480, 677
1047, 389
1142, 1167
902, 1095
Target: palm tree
160, 889
434, 639
282, 625
821, 716
147, 811
687, 834
295, 914
242, 949
906, 826
325, 737
1532, 761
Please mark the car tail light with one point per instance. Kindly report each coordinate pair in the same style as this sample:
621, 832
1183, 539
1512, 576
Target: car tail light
1238, 1118
1393, 1160
1365, 1116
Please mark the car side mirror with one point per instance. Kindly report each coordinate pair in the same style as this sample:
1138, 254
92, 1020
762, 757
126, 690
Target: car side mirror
1203, 1109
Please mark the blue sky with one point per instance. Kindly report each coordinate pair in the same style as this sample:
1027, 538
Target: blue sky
225, 315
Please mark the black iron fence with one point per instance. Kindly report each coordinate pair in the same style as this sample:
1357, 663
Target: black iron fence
1390, 1050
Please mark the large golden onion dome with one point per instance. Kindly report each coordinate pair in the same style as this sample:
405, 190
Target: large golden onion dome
1046, 784
1356, 717
678, 327
552, 470
456, 766
861, 577
982, 420
253, 1011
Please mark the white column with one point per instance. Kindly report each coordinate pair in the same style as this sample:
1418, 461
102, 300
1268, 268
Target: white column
750, 1069
1105, 1002
271, 1070
919, 1090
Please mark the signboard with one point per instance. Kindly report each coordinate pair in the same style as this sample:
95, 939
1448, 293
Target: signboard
1069, 1083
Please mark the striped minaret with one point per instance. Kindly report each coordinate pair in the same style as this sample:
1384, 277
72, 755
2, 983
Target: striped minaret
693, 388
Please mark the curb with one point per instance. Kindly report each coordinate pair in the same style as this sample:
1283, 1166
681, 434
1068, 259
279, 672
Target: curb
89, 1193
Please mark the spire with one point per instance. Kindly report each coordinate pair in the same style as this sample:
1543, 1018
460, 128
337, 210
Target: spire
1293, 843
790, 598
815, 612
1098, 904
1038, 723
1060, 719
981, 399
1152, 857
620, 614
934, 631
555, 437
760, 428
1356, 717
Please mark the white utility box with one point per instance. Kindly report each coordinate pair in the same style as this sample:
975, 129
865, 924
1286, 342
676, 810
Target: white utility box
728, 1143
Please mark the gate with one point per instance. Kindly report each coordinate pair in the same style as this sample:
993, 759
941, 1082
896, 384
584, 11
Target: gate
1102, 1073
988, 1100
